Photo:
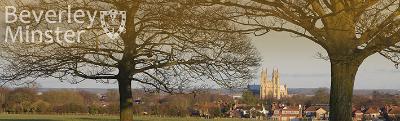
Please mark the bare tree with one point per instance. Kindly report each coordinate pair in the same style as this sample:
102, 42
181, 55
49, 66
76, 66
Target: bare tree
349, 30
159, 48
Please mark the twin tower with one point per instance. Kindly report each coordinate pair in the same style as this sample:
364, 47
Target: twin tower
272, 88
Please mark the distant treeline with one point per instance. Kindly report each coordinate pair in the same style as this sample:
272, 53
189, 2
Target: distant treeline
66, 101
29, 100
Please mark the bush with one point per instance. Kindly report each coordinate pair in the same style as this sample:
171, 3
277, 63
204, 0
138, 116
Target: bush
41, 106
20, 100
94, 109
71, 108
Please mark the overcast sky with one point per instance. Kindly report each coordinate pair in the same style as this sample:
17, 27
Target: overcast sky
299, 66
297, 62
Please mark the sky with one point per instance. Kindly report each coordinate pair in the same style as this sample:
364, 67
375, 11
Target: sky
297, 63
300, 68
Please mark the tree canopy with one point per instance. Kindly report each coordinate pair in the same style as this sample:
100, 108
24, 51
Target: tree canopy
349, 30
159, 47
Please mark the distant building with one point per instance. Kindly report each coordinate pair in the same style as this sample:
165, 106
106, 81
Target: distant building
311, 112
287, 113
269, 88
371, 114
395, 113
237, 97
317, 112
358, 115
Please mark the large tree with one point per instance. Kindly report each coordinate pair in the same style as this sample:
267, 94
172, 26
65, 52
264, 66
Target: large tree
349, 30
159, 48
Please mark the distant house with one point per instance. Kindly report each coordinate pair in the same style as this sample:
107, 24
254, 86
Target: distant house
39, 93
237, 97
287, 114
247, 111
394, 113
317, 112
371, 114
358, 115
259, 112
311, 112
323, 113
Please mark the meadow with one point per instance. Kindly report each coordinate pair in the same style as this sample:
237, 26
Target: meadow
27, 117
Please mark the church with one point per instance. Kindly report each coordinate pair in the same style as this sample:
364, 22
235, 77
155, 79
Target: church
269, 88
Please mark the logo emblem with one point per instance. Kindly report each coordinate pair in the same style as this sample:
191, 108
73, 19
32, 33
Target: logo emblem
113, 29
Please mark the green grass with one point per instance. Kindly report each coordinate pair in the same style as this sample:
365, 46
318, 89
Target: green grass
24, 117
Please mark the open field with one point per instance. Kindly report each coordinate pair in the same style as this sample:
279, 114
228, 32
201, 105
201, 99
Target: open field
23, 117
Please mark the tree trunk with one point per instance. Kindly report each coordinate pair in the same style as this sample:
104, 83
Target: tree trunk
125, 100
342, 82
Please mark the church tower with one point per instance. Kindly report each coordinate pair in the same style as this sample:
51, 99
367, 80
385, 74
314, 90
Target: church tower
271, 88
263, 83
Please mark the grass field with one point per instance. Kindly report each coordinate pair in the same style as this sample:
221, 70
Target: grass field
21, 117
